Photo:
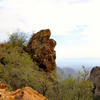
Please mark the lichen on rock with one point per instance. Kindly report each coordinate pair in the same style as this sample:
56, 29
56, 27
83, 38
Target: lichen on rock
41, 49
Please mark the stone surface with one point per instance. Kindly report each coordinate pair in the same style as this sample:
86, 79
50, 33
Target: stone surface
26, 93
95, 78
41, 49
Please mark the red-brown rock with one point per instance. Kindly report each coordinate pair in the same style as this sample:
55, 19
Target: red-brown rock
41, 49
26, 93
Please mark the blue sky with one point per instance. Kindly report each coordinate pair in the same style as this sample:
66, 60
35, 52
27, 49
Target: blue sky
75, 24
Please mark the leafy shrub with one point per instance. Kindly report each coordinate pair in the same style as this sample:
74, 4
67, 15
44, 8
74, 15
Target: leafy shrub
18, 38
20, 70
77, 89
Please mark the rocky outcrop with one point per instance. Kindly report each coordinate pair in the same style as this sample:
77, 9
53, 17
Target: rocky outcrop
26, 93
41, 49
95, 78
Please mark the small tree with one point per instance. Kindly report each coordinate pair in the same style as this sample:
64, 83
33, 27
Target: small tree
17, 38
42, 82
84, 73
77, 88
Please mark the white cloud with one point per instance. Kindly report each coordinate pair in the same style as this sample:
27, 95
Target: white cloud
61, 16
38, 15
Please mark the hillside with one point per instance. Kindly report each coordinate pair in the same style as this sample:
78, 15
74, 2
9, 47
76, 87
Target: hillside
30, 70
28, 65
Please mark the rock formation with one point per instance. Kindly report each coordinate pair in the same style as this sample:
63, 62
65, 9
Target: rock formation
95, 78
26, 93
41, 49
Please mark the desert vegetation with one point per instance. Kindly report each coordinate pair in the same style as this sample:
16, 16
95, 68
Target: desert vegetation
17, 70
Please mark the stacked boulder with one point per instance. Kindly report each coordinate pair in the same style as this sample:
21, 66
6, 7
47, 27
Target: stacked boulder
41, 49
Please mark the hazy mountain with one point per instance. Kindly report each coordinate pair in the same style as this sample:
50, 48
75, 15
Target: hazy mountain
66, 71
74, 65
77, 63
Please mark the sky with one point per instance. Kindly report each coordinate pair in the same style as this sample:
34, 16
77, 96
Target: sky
74, 24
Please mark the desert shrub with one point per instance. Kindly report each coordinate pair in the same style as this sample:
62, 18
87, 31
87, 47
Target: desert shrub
77, 88
84, 73
18, 68
44, 84
18, 38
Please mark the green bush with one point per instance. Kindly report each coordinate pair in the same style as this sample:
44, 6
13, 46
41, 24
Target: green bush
20, 70
18, 38
77, 88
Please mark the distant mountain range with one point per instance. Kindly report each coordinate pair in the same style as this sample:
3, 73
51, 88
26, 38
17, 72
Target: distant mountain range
74, 65
77, 63
65, 72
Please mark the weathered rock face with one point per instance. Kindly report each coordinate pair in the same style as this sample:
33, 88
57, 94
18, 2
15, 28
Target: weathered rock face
26, 93
95, 78
41, 49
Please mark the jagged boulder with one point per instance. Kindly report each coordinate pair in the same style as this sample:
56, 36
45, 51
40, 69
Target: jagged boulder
95, 78
41, 49
26, 93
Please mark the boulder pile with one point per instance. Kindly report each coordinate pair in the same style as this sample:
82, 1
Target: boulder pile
41, 49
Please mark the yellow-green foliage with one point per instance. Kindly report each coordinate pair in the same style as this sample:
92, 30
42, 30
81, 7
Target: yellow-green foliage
76, 89
18, 38
18, 70
18, 67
